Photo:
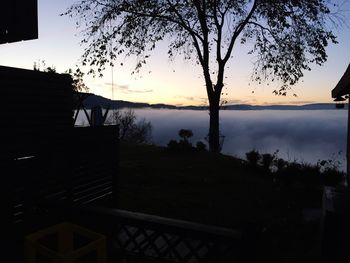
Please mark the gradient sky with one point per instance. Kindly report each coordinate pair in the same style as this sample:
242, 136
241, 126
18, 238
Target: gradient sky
162, 81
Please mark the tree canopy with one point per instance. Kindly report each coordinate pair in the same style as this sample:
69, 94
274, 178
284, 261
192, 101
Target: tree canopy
285, 36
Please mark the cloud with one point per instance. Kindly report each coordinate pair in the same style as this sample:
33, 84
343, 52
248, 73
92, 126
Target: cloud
116, 86
185, 97
238, 101
124, 88
140, 91
197, 100
291, 102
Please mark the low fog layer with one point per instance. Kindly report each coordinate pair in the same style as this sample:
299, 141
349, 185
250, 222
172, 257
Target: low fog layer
303, 135
306, 136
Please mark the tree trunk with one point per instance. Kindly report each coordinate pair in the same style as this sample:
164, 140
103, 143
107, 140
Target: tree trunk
214, 135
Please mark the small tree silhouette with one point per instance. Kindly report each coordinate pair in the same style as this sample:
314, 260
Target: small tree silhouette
131, 130
267, 160
253, 157
185, 134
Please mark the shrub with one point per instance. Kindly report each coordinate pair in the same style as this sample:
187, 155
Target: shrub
253, 157
333, 177
183, 145
201, 147
185, 134
280, 164
267, 160
173, 145
330, 172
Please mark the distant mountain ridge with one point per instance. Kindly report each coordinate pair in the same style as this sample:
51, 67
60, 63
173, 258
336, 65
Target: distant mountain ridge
95, 100
312, 106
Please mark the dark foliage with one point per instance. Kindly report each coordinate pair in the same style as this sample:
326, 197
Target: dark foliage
201, 147
253, 157
181, 146
184, 145
131, 130
267, 160
77, 75
185, 134
325, 172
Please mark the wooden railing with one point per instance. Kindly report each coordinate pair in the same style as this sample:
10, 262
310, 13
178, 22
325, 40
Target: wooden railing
135, 237
80, 171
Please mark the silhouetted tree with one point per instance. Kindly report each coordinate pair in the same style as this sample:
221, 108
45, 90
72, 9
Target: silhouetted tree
78, 82
131, 130
253, 157
40, 65
285, 36
185, 134
266, 161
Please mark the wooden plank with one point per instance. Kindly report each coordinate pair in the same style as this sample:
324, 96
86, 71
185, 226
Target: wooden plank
91, 189
86, 183
102, 193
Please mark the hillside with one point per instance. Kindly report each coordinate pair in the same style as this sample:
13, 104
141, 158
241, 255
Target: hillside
95, 100
225, 191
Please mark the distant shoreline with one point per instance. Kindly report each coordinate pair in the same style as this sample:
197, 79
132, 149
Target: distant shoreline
96, 100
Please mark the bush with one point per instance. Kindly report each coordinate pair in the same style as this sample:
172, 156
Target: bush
330, 172
280, 164
185, 134
267, 160
183, 145
253, 157
173, 145
325, 172
201, 147
333, 177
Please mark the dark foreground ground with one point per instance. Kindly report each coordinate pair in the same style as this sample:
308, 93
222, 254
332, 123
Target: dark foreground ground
224, 191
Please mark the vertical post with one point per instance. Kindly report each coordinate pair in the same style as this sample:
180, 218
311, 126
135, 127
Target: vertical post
115, 161
348, 148
96, 116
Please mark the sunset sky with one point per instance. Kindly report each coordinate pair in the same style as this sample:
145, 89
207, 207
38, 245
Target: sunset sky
162, 81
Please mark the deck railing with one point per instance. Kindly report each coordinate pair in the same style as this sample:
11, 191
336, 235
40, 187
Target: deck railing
82, 170
135, 237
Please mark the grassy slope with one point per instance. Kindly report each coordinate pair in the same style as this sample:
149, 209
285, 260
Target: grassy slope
219, 190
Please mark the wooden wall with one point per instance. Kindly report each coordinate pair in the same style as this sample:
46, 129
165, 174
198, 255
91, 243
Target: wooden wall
43, 158
36, 109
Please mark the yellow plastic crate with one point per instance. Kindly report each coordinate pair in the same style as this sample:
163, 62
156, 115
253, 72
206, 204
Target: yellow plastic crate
65, 243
